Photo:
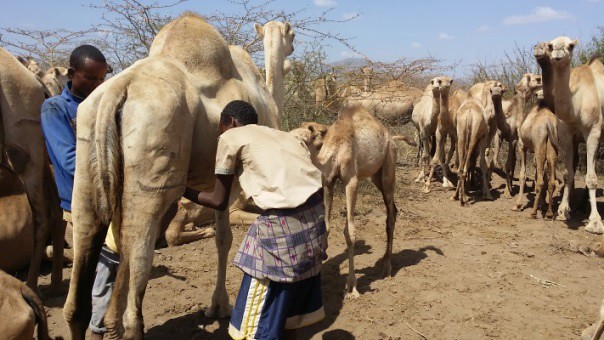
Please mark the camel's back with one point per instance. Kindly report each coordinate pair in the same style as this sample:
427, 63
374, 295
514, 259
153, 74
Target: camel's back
22, 320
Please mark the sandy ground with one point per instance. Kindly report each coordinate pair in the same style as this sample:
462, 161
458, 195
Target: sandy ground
476, 272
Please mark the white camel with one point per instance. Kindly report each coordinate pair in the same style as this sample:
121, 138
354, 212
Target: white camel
142, 136
579, 101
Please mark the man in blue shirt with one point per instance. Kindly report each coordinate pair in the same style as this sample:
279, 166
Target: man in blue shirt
87, 70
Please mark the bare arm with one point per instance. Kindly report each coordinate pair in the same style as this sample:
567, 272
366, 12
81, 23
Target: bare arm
217, 199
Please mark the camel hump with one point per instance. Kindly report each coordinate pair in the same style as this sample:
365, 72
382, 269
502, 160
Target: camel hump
190, 40
594, 57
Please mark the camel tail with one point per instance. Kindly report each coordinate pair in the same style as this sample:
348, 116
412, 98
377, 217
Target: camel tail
108, 177
405, 139
34, 302
552, 130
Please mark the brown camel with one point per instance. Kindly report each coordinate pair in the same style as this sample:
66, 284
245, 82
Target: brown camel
142, 136
20, 311
21, 97
356, 146
579, 101
475, 126
509, 124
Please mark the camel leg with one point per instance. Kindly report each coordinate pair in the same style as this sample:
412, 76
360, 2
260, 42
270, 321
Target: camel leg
423, 154
496, 148
177, 235
350, 235
220, 307
509, 169
444, 163
430, 162
385, 180
522, 176
486, 192
453, 151
591, 181
461, 154
540, 154
569, 178
328, 190
551, 161
88, 234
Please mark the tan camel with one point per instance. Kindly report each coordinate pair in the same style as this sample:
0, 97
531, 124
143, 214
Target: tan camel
140, 141
579, 101
31, 65
425, 118
595, 331
325, 90
444, 85
392, 102
475, 126
20, 311
55, 79
542, 133
16, 224
508, 125
447, 127
278, 39
355, 147
21, 97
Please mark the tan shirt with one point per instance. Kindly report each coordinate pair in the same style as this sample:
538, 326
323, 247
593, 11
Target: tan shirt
273, 167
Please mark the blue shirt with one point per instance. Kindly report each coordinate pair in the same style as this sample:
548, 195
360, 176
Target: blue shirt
59, 127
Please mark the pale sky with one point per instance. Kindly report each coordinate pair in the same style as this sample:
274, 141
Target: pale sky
385, 29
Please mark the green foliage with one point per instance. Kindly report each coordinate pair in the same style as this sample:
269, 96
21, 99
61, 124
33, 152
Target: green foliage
593, 47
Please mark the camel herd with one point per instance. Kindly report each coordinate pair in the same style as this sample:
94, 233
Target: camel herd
152, 129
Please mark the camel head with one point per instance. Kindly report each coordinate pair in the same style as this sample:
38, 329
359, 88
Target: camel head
55, 79
496, 89
529, 83
561, 51
444, 83
31, 65
276, 33
541, 51
313, 135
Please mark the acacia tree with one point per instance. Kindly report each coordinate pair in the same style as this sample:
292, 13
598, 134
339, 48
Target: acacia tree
48, 47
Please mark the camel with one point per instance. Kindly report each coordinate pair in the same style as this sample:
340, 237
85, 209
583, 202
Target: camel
447, 127
509, 124
595, 331
21, 97
325, 90
542, 133
356, 146
278, 38
16, 224
392, 102
53, 80
475, 126
425, 117
20, 310
142, 136
579, 101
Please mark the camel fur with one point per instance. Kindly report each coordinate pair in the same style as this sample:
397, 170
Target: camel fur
509, 124
579, 102
23, 149
475, 127
142, 136
542, 133
20, 310
355, 147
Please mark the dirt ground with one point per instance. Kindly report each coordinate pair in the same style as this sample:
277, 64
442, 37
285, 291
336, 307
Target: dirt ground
477, 272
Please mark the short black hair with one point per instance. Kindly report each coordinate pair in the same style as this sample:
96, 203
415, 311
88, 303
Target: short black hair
240, 110
83, 52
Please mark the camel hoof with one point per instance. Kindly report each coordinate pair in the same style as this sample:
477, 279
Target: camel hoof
218, 312
588, 332
517, 208
598, 249
448, 184
534, 215
387, 271
453, 198
426, 190
595, 227
549, 215
507, 195
353, 295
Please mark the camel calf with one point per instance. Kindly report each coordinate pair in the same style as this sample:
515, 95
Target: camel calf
20, 310
356, 146
542, 133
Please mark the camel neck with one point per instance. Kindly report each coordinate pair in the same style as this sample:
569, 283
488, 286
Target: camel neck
562, 93
274, 62
444, 103
547, 76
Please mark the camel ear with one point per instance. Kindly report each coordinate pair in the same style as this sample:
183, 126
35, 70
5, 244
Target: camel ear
451, 81
56, 71
109, 69
288, 28
259, 29
550, 47
572, 44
